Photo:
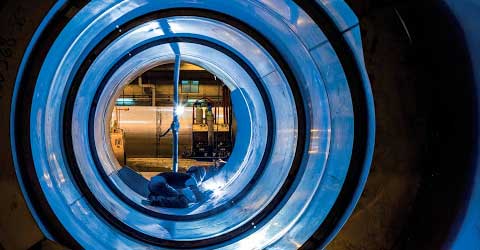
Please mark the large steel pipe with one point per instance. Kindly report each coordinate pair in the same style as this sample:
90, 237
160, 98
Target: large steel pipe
302, 102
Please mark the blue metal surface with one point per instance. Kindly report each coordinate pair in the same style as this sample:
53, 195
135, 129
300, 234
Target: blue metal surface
324, 94
28, 53
230, 182
251, 142
340, 13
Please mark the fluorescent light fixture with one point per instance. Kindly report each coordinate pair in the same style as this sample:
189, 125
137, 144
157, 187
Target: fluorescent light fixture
125, 101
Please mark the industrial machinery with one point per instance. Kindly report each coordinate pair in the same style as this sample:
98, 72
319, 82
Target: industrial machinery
211, 136
175, 185
117, 138
343, 125
144, 113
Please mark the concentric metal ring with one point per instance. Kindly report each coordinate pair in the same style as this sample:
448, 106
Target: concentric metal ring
322, 100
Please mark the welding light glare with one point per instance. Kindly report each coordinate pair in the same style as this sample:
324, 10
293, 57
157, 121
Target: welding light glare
179, 110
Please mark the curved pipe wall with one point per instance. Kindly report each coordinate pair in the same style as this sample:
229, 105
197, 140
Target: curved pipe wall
69, 208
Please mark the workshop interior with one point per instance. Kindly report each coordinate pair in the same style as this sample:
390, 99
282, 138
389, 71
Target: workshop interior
240, 124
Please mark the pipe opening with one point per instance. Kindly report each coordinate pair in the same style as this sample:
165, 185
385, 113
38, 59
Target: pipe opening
141, 136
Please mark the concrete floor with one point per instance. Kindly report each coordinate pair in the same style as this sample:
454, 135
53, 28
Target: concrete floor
149, 167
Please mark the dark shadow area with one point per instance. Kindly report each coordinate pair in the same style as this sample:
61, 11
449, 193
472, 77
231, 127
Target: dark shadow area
422, 83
